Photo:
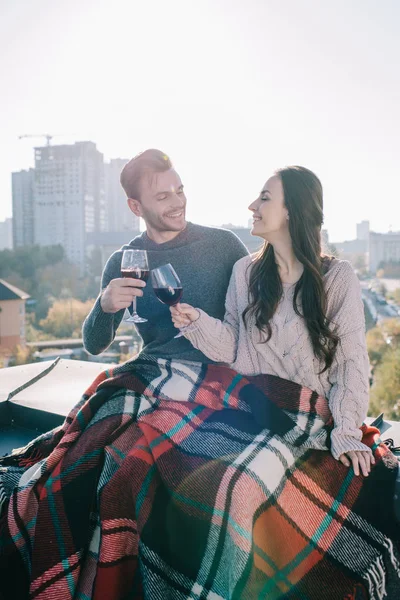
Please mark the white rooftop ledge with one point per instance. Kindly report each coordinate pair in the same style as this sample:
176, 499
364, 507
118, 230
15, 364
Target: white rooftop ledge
54, 387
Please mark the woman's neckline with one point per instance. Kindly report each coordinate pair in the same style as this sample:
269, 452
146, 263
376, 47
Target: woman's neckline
333, 262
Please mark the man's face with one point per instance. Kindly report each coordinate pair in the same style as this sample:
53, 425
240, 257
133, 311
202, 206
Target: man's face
162, 202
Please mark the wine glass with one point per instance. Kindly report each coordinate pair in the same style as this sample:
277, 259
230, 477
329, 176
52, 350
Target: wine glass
167, 287
135, 265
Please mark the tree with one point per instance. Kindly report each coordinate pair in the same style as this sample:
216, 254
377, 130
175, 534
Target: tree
383, 343
383, 338
376, 345
391, 331
32, 332
385, 391
382, 289
396, 296
24, 262
65, 318
21, 355
94, 263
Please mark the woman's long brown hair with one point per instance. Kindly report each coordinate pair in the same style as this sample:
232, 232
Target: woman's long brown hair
303, 199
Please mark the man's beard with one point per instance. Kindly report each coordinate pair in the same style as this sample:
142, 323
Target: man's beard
161, 225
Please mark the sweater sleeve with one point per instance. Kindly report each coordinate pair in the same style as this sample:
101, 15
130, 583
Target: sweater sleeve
349, 374
217, 339
99, 328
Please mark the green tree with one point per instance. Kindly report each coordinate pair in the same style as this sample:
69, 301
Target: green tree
32, 332
24, 262
94, 263
382, 339
23, 267
385, 391
44, 272
65, 318
382, 289
376, 345
21, 355
391, 331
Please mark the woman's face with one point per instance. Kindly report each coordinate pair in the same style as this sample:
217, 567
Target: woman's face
270, 215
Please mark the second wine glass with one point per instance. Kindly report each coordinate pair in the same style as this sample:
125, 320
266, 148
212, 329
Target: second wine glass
167, 287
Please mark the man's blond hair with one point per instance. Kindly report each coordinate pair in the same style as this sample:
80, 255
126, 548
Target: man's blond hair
146, 163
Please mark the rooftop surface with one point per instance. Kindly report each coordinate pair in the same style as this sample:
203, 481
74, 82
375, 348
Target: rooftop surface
36, 397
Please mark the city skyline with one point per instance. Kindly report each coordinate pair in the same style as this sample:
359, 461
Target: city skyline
118, 161
69, 198
116, 194
229, 92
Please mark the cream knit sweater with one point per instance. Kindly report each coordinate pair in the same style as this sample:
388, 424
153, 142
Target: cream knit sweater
289, 354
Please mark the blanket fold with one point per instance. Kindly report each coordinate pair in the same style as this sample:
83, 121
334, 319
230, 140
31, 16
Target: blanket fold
176, 480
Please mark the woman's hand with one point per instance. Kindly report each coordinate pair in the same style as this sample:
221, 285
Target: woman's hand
358, 459
183, 315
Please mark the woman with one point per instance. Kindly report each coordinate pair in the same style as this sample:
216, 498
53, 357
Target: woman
293, 312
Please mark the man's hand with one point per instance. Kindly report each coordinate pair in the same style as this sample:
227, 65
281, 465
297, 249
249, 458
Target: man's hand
120, 293
358, 459
183, 315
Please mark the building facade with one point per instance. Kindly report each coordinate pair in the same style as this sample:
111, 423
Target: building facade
69, 198
12, 317
325, 240
363, 231
6, 234
118, 216
23, 208
383, 248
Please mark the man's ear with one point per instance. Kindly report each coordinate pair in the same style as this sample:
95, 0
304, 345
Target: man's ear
135, 206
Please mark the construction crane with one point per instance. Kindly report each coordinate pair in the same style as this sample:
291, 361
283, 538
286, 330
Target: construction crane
34, 135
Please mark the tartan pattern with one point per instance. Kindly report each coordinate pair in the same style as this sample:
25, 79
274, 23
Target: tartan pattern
186, 481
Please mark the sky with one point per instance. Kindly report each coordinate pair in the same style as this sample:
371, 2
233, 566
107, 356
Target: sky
231, 90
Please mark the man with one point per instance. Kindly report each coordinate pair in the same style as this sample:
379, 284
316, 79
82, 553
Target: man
203, 257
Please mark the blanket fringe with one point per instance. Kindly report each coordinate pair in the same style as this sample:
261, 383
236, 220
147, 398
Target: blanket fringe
393, 559
376, 579
376, 575
3, 497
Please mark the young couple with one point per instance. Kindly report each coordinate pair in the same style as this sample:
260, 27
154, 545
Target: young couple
176, 476
290, 311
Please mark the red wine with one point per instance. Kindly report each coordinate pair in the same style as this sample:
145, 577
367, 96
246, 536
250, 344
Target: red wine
168, 295
142, 274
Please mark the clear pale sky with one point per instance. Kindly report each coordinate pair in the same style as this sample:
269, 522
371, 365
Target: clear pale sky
229, 89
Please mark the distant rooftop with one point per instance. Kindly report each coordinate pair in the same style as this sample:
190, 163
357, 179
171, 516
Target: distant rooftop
10, 292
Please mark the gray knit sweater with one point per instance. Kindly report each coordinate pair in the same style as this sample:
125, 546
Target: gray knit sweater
203, 258
289, 353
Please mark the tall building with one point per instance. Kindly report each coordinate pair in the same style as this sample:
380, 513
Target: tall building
118, 215
363, 231
6, 234
23, 208
383, 248
325, 240
69, 197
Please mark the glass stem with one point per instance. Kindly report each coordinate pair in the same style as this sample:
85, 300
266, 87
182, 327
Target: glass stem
134, 306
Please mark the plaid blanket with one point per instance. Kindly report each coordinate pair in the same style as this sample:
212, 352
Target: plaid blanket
186, 481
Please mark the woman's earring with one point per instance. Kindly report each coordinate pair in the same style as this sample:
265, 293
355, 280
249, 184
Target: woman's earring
287, 217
